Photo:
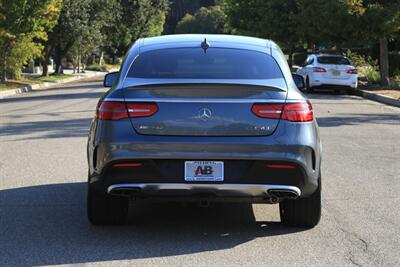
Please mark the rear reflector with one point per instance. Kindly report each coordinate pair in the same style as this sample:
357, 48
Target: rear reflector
127, 164
319, 69
352, 71
137, 110
280, 166
297, 112
109, 110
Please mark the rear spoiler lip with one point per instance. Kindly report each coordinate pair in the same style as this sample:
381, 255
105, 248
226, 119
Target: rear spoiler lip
199, 100
272, 84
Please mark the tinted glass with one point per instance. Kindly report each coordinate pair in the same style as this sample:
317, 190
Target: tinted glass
334, 60
216, 63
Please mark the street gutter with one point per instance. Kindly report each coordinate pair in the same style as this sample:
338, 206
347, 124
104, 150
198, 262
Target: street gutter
376, 97
46, 85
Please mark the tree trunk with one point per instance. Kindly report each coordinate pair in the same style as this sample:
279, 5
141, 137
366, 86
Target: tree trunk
59, 68
101, 60
79, 63
4, 68
45, 68
3, 64
45, 65
290, 61
384, 62
59, 54
45, 60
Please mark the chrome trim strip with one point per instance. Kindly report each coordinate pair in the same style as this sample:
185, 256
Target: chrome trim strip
197, 100
270, 111
243, 189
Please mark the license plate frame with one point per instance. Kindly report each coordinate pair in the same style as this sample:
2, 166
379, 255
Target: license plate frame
209, 171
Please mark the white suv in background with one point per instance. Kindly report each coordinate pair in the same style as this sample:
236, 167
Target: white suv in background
328, 71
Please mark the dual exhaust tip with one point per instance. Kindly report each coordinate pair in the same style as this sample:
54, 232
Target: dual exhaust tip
283, 193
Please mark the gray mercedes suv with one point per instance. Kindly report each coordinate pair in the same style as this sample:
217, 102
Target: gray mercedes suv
204, 118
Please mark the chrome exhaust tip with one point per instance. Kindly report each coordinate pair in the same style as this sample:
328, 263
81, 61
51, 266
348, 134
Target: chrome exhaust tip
284, 193
124, 191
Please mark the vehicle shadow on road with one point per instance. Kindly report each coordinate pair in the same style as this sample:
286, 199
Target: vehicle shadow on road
53, 97
344, 119
44, 129
47, 224
357, 119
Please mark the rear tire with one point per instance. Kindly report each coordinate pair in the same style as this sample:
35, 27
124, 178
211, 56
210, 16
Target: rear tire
309, 89
302, 212
105, 209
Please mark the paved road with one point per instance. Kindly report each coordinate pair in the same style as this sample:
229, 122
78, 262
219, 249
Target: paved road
42, 196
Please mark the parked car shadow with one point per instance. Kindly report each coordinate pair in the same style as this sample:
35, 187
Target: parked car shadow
356, 119
47, 224
349, 118
60, 96
57, 128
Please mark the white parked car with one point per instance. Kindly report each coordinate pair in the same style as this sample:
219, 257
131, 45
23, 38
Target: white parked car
328, 71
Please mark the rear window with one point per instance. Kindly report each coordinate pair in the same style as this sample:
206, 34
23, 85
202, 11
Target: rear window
194, 63
333, 60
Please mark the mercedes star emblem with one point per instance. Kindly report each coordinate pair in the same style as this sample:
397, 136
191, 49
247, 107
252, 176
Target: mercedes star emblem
205, 114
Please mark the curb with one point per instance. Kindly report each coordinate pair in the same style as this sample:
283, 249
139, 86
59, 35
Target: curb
377, 97
47, 85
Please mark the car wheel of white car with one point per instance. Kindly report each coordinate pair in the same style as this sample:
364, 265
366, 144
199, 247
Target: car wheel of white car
309, 89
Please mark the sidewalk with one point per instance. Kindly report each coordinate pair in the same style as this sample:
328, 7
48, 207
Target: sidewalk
46, 85
375, 96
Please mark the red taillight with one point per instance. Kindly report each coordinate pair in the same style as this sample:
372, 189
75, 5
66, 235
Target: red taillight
319, 69
111, 110
280, 166
269, 111
108, 110
137, 110
352, 71
136, 164
297, 112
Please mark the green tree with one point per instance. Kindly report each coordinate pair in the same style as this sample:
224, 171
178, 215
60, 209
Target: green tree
137, 18
330, 23
179, 8
79, 31
23, 24
298, 23
381, 23
205, 20
272, 19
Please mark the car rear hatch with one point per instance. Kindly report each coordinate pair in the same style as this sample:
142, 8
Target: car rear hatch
337, 71
336, 67
209, 108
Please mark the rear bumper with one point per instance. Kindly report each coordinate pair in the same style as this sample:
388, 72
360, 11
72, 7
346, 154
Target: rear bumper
245, 158
204, 190
320, 81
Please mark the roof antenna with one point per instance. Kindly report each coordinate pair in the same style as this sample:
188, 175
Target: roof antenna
205, 45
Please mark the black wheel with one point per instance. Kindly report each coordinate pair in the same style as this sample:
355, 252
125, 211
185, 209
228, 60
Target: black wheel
105, 209
302, 212
309, 89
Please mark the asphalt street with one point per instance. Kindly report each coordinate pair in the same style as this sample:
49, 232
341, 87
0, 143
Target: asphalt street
42, 196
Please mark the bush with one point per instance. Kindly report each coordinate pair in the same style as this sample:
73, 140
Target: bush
371, 72
366, 66
97, 67
397, 77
